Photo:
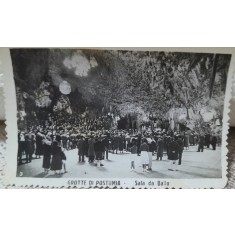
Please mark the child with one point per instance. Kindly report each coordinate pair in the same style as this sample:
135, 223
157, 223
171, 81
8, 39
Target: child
134, 150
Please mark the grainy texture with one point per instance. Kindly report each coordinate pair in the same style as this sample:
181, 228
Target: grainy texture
231, 155
231, 158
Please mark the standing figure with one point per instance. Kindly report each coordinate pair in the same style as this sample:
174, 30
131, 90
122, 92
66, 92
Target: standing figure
144, 148
173, 155
56, 162
214, 142
91, 150
133, 155
186, 141
121, 143
207, 140
39, 145
28, 149
115, 143
201, 143
21, 146
106, 146
139, 143
98, 152
81, 149
160, 148
46, 164
181, 148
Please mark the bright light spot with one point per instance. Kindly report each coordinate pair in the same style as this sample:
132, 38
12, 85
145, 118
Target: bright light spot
78, 62
65, 88
93, 62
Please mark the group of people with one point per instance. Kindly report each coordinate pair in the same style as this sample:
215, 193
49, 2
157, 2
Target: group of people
96, 145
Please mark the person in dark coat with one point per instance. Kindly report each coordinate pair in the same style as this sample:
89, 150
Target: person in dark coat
39, 145
56, 162
214, 142
201, 143
138, 142
91, 150
181, 148
98, 147
160, 148
81, 149
173, 154
121, 143
21, 146
86, 146
47, 142
207, 140
28, 149
115, 143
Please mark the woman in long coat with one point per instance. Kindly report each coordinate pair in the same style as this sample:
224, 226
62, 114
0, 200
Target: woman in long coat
91, 150
46, 164
56, 162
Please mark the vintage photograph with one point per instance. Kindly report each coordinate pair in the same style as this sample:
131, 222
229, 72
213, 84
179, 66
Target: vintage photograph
92, 113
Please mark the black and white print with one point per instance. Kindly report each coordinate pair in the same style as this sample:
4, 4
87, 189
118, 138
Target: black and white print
85, 113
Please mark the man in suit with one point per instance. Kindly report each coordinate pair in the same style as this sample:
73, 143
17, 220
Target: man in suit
81, 149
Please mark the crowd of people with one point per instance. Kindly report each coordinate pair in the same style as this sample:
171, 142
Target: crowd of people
95, 144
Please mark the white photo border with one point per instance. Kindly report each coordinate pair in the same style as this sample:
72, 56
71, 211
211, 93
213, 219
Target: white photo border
10, 170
